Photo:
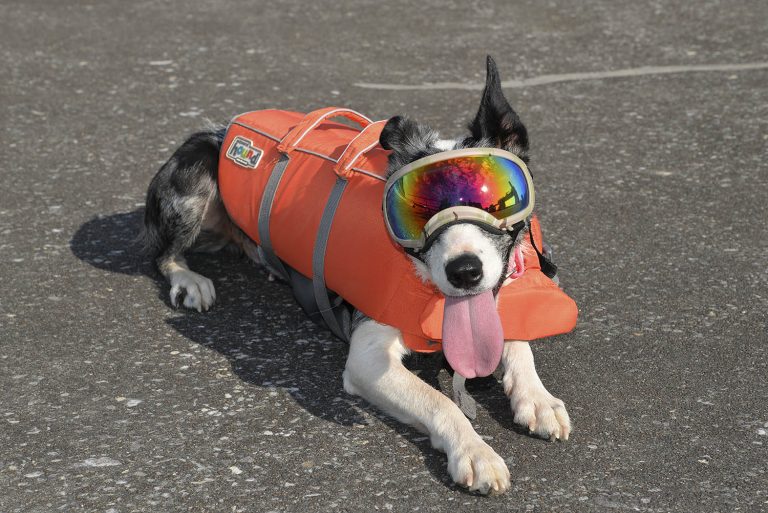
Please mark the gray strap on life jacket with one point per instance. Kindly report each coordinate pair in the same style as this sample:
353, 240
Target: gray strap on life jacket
318, 263
265, 210
333, 311
461, 397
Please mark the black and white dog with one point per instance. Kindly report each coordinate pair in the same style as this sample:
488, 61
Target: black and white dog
184, 212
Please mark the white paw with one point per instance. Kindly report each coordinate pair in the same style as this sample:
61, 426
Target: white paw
478, 467
197, 290
538, 410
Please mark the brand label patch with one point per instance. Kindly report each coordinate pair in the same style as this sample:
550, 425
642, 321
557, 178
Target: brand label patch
243, 152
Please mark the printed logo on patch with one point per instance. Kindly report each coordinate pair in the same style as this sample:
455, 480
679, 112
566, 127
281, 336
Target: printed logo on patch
243, 152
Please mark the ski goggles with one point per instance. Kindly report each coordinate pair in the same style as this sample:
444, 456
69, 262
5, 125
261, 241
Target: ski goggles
486, 186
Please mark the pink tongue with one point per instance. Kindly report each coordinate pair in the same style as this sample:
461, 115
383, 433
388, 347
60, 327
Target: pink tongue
473, 338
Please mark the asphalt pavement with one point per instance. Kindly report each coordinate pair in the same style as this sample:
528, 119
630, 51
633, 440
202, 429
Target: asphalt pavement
652, 188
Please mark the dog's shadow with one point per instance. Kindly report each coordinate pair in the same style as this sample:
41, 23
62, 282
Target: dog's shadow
293, 354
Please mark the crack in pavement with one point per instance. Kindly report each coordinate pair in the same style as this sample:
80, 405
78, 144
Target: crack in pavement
572, 77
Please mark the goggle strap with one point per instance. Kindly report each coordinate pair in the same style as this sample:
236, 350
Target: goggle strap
513, 231
548, 267
415, 253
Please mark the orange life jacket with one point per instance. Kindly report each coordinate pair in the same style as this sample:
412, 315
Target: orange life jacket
361, 262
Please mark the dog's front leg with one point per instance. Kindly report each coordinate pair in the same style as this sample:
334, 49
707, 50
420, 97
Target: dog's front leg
534, 407
375, 372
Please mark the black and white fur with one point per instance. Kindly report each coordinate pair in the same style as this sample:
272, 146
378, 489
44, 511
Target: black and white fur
184, 213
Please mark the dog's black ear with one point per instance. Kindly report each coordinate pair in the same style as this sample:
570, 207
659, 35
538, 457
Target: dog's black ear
407, 139
496, 120
391, 134
402, 134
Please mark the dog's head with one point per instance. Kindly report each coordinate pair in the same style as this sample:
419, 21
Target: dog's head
464, 259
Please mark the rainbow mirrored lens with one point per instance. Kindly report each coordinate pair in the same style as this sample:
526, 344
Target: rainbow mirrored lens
491, 183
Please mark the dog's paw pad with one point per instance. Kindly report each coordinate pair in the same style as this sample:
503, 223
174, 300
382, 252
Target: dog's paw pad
542, 413
478, 468
195, 291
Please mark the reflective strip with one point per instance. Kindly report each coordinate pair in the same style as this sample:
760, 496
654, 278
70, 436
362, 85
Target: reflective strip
265, 210
318, 260
263, 134
368, 173
316, 154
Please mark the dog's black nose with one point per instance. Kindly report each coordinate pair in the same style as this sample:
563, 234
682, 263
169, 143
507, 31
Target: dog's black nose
464, 271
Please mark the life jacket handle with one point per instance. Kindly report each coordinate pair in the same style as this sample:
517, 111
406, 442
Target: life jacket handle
363, 142
314, 118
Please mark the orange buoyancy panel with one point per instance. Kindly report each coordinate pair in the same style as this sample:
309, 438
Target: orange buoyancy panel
363, 264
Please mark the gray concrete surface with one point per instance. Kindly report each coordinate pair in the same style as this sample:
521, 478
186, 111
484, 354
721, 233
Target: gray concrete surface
652, 190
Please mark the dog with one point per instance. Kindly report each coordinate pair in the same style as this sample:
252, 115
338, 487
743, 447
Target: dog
184, 212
